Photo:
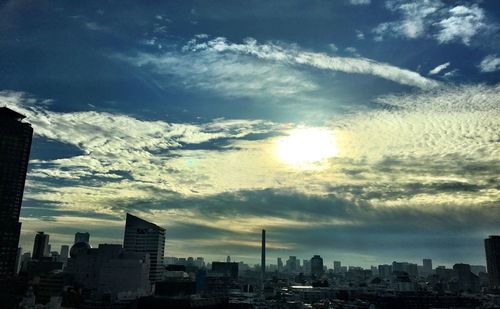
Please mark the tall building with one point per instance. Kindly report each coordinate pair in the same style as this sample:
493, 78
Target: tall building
317, 266
82, 237
64, 253
427, 266
263, 255
492, 247
337, 266
40, 246
146, 237
280, 265
15, 146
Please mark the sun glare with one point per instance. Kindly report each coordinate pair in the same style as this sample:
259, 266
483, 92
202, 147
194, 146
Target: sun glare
305, 147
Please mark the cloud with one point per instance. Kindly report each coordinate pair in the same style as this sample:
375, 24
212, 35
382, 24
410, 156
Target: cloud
360, 2
434, 19
490, 63
439, 68
427, 158
462, 24
290, 55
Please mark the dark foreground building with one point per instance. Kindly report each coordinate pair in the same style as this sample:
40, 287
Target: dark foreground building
15, 145
492, 247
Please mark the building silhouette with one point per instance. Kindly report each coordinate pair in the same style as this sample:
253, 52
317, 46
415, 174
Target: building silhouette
146, 237
317, 266
492, 248
82, 237
40, 246
15, 146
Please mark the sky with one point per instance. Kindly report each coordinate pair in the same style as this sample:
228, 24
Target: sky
363, 131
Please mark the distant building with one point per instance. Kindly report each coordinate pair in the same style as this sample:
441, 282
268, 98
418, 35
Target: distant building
15, 146
280, 265
467, 281
317, 266
146, 237
64, 253
82, 237
226, 269
337, 266
292, 264
385, 271
41, 246
427, 267
109, 269
492, 248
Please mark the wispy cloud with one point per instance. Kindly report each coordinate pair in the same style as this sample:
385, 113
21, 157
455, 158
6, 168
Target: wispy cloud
490, 63
439, 68
291, 55
360, 2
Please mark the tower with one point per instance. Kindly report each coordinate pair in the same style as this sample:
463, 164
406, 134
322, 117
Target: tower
263, 255
15, 146
146, 237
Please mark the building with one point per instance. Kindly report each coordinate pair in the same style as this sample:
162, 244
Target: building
280, 265
15, 146
40, 246
385, 271
427, 267
109, 269
82, 237
317, 266
64, 253
492, 248
226, 269
337, 265
292, 264
146, 237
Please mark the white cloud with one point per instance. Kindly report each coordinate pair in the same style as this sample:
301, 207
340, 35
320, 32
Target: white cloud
360, 2
439, 68
462, 24
426, 18
292, 55
490, 63
360, 35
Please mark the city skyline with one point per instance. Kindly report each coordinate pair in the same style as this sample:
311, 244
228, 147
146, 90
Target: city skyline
362, 131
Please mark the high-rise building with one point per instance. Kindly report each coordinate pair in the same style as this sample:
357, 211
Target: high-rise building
64, 253
82, 237
317, 266
427, 266
280, 265
337, 266
146, 237
40, 246
492, 247
15, 146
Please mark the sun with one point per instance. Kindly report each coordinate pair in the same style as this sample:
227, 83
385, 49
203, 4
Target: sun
306, 147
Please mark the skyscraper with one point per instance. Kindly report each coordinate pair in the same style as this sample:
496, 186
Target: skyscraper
492, 247
40, 246
427, 266
316, 266
64, 253
82, 237
15, 146
146, 237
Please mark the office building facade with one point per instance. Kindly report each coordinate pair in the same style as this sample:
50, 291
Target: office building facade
146, 237
15, 146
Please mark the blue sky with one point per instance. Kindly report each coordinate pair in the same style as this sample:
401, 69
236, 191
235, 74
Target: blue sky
365, 131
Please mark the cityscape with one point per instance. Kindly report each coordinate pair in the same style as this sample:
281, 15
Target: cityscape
137, 274
249, 154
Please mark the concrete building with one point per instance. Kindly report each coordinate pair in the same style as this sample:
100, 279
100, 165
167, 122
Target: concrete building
15, 146
145, 237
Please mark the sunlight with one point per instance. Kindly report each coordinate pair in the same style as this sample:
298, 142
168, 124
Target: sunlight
306, 147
